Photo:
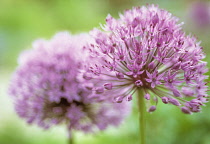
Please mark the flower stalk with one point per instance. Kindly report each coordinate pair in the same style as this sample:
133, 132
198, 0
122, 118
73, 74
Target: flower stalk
142, 122
70, 138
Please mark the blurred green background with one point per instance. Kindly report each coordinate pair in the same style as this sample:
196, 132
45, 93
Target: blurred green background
23, 21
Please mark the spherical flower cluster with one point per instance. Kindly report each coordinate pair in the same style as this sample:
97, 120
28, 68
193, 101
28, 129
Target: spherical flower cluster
200, 13
146, 50
47, 87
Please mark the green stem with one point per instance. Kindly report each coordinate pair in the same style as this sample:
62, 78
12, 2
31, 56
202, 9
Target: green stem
142, 110
70, 138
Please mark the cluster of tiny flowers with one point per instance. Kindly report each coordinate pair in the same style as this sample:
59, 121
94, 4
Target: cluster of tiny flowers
48, 90
200, 13
146, 49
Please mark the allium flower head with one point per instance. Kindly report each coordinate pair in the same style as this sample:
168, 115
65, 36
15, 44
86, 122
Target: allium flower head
48, 88
146, 49
200, 13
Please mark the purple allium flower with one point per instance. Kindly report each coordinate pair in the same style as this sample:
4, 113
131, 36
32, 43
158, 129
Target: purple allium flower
200, 13
48, 87
146, 49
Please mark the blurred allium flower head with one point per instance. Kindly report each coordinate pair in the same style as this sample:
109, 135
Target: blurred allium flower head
48, 88
146, 49
200, 13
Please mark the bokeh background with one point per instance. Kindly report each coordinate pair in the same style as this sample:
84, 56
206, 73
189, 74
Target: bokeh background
23, 21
